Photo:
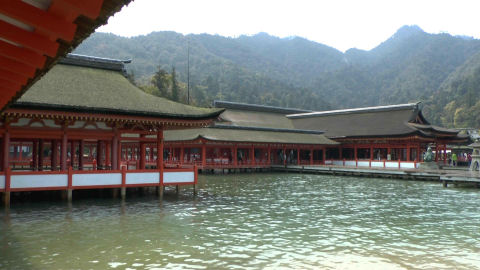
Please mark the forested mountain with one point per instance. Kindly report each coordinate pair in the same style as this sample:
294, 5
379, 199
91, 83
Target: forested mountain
214, 71
410, 66
457, 102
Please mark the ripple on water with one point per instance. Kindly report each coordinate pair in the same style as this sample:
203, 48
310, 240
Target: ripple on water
254, 221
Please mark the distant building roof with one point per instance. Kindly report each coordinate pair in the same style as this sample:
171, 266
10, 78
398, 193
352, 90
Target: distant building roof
302, 131
388, 108
94, 62
247, 135
256, 107
252, 115
381, 121
97, 85
475, 145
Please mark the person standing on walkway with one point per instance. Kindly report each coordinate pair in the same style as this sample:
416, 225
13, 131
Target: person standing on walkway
454, 159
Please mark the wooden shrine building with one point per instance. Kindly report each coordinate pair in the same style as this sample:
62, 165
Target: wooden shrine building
254, 136
72, 128
247, 136
236, 147
383, 136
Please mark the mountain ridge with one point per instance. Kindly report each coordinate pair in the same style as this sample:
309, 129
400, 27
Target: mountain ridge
409, 66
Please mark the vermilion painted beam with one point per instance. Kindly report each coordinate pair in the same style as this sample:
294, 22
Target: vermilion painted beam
28, 39
17, 67
74, 8
24, 55
13, 77
14, 86
5, 93
39, 19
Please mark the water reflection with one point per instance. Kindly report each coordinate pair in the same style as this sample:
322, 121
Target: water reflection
253, 221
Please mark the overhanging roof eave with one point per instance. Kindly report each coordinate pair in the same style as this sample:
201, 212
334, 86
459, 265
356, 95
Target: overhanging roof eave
82, 109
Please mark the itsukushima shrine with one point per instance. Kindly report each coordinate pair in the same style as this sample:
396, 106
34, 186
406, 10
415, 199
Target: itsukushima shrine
71, 127
84, 126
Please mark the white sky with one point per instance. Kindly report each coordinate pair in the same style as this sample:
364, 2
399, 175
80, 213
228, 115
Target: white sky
341, 24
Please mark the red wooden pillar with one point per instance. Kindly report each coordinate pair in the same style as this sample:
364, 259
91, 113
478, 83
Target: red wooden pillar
72, 153
269, 158
371, 152
235, 155
54, 155
181, 154
408, 153
115, 151
419, 154
298, 156
108, 148
204, 155
63, 153
6, 151
40, 155
285, 155
35, 155
120, 153
311, 156
340, 152
142, 154
324, 154
436, 152
99, 154
81, 146
6, 168
160, 151
389, 152
355, 150
445, 154
252, 155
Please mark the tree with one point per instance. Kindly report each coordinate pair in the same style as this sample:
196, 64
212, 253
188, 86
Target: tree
161, 80
174, 83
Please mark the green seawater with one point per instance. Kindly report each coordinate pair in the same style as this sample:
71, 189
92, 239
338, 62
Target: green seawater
253, 221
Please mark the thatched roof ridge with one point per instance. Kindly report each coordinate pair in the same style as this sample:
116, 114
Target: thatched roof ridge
94, 62
256, 107
407, 106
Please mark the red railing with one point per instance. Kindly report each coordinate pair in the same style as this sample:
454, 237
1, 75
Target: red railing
64, 180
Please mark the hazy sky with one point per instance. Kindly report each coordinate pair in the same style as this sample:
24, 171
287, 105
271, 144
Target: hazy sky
341, 24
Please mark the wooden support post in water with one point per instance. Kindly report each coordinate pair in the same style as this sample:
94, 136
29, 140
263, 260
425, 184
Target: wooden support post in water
6, 198
177, 189
161, 189
445, 184
69, 195
123, 192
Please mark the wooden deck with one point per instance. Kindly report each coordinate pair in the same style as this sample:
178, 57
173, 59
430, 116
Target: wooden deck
444, 176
